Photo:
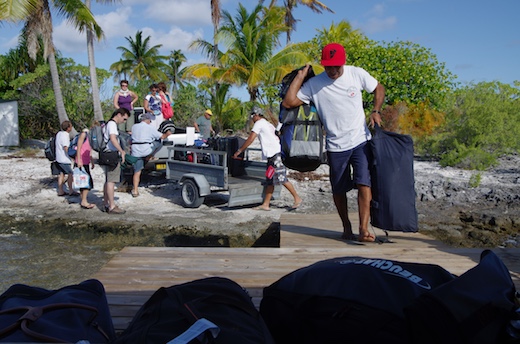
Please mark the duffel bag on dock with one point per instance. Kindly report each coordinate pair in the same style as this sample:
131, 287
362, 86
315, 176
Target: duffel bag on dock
347, 300
67, 315
216, 309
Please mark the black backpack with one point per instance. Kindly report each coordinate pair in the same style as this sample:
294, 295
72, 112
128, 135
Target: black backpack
50, 149
347, 300
171, 311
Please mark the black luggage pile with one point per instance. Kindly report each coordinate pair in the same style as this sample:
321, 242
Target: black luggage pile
340, 300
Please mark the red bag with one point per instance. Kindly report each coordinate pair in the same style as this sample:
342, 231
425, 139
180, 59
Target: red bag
166, 108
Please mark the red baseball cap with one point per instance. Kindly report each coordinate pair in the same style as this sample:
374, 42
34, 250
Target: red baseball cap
333, 54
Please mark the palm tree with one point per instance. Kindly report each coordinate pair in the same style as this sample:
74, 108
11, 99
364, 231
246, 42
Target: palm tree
289, 5
215, 18
17, 10
38, 24
176, 59
141, 61
249, 60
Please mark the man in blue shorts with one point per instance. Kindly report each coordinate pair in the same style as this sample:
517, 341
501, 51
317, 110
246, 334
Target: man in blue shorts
146, 140
63, 162
337, 94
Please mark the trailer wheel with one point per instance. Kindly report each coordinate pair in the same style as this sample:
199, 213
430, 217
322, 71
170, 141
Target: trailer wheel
190, 194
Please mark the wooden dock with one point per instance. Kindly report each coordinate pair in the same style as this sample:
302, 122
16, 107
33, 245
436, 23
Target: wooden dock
136, 272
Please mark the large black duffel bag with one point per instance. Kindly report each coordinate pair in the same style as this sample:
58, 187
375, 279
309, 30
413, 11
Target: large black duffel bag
365, 300
347, 300
171, 311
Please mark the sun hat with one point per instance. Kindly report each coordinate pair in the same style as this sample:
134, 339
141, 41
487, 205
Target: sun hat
333, 54
208, 111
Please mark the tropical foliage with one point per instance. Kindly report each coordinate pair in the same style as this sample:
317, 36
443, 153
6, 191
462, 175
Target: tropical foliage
482, 124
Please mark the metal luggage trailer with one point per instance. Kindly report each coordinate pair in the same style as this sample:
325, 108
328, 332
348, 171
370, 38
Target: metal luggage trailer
199, 180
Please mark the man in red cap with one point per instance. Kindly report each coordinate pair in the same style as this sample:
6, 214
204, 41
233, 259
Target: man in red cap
337, 95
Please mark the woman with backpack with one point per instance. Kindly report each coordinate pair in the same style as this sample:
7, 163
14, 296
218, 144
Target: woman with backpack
83, 159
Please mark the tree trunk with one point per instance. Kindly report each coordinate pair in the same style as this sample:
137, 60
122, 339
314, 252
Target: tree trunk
98, 113
60, 106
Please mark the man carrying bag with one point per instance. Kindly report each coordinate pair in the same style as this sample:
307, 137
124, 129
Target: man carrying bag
110, 158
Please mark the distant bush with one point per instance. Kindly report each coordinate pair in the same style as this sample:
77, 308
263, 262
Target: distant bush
482, 124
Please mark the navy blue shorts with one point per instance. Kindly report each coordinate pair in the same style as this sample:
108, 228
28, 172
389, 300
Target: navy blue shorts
349, 168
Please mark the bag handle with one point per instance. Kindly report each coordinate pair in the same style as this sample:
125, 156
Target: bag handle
195, 331
32, 314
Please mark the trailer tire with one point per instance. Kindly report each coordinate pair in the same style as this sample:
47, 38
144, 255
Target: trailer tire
190, 194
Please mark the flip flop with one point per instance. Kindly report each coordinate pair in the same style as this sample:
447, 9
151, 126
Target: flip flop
260, 208
90, 206
61, 195
296, 205
367, 238
352, 239
74, 194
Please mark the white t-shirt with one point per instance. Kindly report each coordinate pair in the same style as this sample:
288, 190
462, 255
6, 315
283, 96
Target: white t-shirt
62, 140
340, 106
141, 133
268, 140
110, 128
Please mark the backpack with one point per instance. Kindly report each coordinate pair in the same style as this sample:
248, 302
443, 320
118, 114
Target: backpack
73, 147
96, 138
301, 134
347, 300
221, 302
67, 315
50, 149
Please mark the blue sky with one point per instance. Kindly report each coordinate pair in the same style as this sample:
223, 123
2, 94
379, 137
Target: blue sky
477, 40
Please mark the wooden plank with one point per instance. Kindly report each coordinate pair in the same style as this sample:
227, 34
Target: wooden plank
135, 273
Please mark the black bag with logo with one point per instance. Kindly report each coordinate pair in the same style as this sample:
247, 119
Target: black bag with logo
347, 300
70, 314
171, 311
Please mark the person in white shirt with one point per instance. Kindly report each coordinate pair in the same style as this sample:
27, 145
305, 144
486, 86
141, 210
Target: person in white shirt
146, 140
276, 172
337, 94
63, 161
113, 174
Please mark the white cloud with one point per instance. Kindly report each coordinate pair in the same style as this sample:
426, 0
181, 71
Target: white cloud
67, 39
177, 12
117, 24
377, 21
9, 43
